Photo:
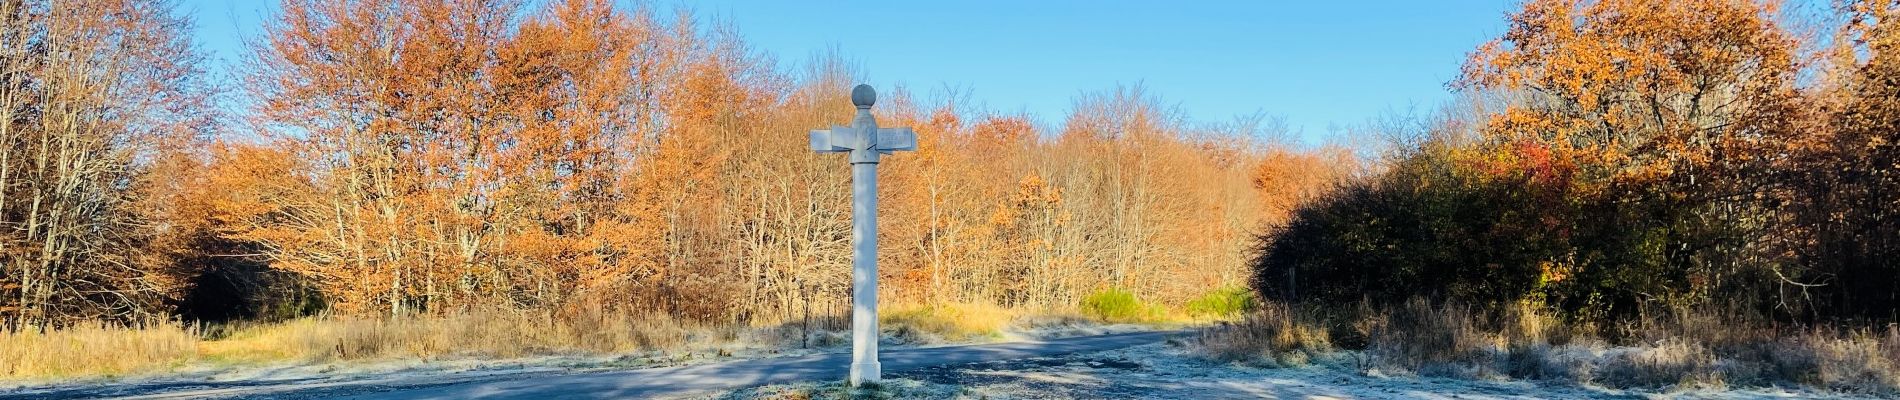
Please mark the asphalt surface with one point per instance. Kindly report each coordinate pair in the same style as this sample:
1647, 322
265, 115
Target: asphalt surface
640, 383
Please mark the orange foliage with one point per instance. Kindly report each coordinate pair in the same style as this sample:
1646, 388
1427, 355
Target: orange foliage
1637, 92
442, 156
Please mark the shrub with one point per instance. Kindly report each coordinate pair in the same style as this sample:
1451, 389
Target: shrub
1225, 302
1117, 305
1439, 226
1421, 231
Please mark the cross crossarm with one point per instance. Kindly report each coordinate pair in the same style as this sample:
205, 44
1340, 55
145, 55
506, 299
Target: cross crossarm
835, 140
896, 139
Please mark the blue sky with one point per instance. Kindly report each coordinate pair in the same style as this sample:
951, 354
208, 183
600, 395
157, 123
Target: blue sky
1319, 64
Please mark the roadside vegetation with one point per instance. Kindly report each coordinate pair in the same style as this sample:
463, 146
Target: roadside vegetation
1635, 194
1631, 193
586, 339
1709, 349
107, 350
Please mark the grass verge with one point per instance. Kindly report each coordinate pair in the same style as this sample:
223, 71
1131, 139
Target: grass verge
1691, 348
111, 351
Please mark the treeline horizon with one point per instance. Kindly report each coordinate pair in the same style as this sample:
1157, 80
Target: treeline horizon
411, 157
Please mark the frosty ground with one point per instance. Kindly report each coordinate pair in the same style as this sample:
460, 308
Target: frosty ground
1172, 370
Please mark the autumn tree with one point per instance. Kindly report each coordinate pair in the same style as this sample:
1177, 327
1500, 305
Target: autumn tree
1842, 227
1664, 117
466, 153
92, 95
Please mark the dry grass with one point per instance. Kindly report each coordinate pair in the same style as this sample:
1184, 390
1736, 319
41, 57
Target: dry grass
108, 351
1681, 348
976, 322
1671, 362
1276, 335
95, 350
1434, 340
479, 335
1857, 360
938, 323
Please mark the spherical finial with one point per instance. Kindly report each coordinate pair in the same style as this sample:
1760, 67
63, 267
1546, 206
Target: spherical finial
862, 96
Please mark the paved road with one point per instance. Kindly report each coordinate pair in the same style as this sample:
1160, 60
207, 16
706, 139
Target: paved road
650, 382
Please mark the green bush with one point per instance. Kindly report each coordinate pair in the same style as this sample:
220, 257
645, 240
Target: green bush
1117, 305
1224, 302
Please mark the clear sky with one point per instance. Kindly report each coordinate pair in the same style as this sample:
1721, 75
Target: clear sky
1319, 64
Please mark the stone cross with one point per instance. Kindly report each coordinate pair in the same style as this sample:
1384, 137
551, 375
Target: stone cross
866, 142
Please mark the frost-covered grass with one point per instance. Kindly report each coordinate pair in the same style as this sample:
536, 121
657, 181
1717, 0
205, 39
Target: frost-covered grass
1690, 351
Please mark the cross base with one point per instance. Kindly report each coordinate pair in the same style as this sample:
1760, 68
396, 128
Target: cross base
865, 372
